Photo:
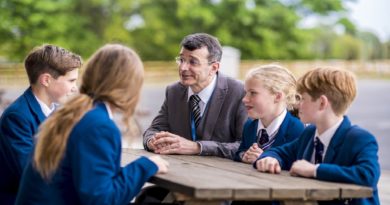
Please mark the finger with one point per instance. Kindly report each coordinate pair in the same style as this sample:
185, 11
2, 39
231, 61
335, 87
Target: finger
251, 159
165, 140
244, 157
272, 167
160, 135
165, 147
292, 172
260, 165
275, 168
264, 166
159, 146
255, 145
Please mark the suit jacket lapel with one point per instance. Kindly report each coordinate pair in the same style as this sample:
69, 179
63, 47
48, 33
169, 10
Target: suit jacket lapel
213, 108
34, 105
337, 140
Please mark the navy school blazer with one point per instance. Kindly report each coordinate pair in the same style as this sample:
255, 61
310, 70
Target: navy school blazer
18, 125
352, 157
290, 129
90, 172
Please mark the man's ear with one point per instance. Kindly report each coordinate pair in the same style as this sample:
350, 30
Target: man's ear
215, 67
44, 79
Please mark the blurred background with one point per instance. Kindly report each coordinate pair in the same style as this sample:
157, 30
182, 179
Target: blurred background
298, 34
260, 29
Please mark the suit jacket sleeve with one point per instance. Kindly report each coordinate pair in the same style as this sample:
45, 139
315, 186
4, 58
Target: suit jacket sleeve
159, 123
98, 177
19, 133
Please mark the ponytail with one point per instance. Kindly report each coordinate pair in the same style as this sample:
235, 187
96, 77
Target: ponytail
54, 133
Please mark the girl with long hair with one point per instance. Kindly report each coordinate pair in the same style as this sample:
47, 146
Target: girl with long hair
77, 155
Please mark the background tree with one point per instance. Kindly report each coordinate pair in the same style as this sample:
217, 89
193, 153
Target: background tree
260, 29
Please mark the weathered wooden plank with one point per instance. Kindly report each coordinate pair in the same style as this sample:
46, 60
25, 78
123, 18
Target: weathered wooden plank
352, 191
214, 178
199, 181
294, 189
319, 189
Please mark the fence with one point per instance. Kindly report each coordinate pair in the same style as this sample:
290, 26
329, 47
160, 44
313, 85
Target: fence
13, 74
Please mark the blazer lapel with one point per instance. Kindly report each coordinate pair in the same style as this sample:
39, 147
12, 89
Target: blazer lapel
282, 130
309, 148
253, 130
214, 108
337, 140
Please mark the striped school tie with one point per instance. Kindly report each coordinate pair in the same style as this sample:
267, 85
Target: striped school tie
319, 149
195, 109
264, 138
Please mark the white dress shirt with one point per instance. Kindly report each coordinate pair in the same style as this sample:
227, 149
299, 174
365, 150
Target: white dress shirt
46, 109
274, 126
204, 95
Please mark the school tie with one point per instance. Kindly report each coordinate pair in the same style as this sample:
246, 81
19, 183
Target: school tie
195, 109
264, 138
319, 149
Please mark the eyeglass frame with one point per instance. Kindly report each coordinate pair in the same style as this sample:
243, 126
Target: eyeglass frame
192, 62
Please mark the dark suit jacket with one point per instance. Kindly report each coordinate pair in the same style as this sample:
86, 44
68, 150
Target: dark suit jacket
90, 172
352, 157
18, 125
290, 129
220, 128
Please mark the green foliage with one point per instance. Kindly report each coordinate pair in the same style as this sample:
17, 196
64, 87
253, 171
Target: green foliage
372, 48
260, 29
346, 47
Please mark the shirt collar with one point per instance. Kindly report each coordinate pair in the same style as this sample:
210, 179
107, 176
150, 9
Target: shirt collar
206, 93
275, 124
328, 134
108, 110
46, 109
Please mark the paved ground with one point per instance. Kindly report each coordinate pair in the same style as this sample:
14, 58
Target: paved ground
370, 110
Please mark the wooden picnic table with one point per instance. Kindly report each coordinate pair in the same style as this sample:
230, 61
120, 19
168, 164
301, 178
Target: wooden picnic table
212, 180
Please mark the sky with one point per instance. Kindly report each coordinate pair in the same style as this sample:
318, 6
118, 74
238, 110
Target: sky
371, 15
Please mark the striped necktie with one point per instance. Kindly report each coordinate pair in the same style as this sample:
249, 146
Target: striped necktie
319, 149
195, 109
264, 138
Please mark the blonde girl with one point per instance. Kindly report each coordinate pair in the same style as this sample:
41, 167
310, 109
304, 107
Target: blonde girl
270, 95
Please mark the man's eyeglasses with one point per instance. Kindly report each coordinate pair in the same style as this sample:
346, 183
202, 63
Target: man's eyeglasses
192, 61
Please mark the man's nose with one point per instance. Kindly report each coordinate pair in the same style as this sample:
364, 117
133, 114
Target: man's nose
184, 66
